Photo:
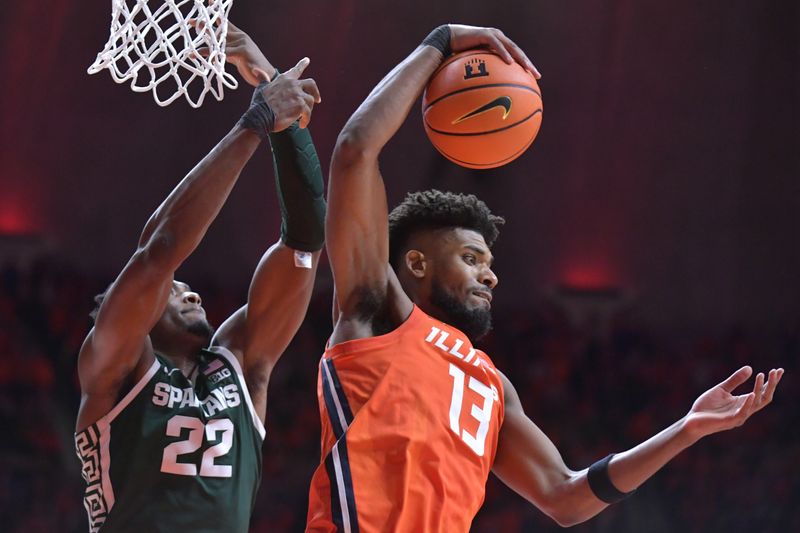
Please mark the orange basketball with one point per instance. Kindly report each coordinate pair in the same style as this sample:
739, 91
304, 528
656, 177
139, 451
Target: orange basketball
481, 112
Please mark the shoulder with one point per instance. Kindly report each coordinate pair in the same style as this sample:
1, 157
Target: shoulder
96, 358
231, 334
371, 309
102, 397
510, 395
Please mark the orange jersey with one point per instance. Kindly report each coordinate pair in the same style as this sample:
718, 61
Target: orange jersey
410, 422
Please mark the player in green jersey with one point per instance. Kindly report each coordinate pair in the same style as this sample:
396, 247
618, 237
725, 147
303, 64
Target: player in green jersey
170, 425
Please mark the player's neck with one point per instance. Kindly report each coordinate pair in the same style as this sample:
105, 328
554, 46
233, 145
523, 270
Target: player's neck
185, 356
435, 312
187, 364
429, 309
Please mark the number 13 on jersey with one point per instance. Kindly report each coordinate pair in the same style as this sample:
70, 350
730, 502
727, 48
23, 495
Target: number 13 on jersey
481, 413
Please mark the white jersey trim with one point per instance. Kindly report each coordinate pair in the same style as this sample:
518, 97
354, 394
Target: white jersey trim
335, 395
104, 428
337, 467
104, 438
228, 355
131, 394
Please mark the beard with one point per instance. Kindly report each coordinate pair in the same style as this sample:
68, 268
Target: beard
201, 329
475, 323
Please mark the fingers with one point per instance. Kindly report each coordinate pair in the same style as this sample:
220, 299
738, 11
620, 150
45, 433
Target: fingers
510, 52
762, 394
758, 387
233, 53
309, 101
294, 96
296, 71
305, 117
467, 37
300, 111
235, 42
290, 103
766, 391
309, 86
519, 56
498, 46
745, 410
261, 74
198, 25
234, 36
736, 379
774, 378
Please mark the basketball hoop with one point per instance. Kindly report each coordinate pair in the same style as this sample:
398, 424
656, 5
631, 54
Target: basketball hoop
158, 48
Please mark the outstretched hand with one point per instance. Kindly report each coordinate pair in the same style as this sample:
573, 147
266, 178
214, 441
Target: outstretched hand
241, 51
468, 37
718, 409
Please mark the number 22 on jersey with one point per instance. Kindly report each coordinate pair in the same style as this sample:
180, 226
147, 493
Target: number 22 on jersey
169, 461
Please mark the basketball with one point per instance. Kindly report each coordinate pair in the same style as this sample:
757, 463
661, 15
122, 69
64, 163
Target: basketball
481, 112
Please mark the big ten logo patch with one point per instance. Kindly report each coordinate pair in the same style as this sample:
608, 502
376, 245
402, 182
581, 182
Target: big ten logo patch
219, 376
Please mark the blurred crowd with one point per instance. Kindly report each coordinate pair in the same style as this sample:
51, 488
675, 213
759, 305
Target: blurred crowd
592, 394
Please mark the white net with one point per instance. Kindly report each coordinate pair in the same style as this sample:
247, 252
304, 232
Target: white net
156, 44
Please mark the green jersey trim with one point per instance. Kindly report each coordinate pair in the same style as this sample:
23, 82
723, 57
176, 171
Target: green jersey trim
234, 362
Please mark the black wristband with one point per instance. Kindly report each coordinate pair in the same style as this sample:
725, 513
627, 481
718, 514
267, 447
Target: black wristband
601, 484
439, 39
259, 117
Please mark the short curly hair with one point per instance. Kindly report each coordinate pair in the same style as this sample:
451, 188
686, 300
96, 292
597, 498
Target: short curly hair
434, 209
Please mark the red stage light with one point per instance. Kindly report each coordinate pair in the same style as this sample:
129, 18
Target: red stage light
588, 277
16, 218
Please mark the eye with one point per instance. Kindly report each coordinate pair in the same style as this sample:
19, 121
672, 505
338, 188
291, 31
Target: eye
469, 259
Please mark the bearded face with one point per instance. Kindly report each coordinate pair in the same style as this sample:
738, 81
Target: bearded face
474, 320
451, 268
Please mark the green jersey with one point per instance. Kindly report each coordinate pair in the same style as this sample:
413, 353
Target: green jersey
172, 456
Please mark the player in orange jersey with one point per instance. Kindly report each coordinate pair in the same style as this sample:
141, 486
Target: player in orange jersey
413, 417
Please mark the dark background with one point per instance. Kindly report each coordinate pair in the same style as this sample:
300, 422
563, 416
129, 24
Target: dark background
667, 169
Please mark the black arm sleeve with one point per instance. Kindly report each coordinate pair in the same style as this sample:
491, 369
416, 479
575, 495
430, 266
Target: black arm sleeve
301, 193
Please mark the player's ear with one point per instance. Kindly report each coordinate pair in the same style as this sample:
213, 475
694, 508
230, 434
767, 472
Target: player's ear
415, 263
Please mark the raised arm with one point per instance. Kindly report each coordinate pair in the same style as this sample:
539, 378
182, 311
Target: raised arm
119, 342
529, 463
277, 302
137, 298
357, 225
